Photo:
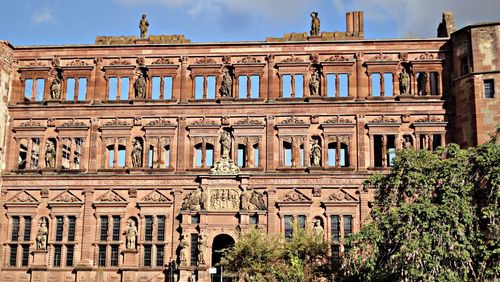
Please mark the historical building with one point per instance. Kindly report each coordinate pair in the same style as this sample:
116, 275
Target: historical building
122, 157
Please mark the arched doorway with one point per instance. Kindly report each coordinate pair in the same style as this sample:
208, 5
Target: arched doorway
220, 242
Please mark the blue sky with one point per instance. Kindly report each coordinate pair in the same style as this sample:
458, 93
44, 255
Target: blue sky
50, 22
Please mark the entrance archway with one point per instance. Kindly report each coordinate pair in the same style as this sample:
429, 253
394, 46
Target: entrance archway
220, 242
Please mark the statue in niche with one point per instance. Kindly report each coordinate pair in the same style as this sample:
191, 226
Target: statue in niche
404, 82
137, 154
225, 140
195, 201
315, 153
226, 84
131, 235
407, 143
143, 26
315, 24
41, 235
50, 154
257, 201
318, 230
201, 249
245, 199
314, 83
55, 88
184, 250
140, 86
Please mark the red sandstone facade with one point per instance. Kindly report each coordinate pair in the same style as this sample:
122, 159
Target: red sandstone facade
95, 183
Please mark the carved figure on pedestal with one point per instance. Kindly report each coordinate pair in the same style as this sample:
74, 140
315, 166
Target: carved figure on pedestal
131, 235
55, 88
314, 83
137, 154
318, 230
50, 154
225, 140
41, 235
257, 201
195, 201
404, 82
184, 250
143, 26
315, 23
201, 249
315, 153
245, 199
140, 86
407, 143
226, 84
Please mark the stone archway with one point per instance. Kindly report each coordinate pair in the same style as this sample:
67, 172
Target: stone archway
219, 243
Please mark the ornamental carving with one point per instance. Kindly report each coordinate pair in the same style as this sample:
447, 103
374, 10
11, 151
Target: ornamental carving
110, 196
295, 196
292, 59
247, 120
204, 121
140, 61
226, 59
77, 63
116, 122
73, 123
119, 62
337, 58
155, 197
205, 61
159, 122
30, 123
384, 119
252, 200
224, 199
426, 56
35, 63
338, 119
429, 119
163, 61
341, 196
382, 57
249, 60
23, 197
292, 120
66, 197
195, 201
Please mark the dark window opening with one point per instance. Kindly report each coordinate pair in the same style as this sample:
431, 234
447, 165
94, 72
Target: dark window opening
489, 89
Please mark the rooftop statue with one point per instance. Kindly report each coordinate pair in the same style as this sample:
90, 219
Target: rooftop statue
143, 26
314, 24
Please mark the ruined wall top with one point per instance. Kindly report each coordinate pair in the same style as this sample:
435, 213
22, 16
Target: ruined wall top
6, 55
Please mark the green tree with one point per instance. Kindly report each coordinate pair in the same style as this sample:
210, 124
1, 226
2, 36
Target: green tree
435, 217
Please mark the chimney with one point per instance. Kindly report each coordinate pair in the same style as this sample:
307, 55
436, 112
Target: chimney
355, 23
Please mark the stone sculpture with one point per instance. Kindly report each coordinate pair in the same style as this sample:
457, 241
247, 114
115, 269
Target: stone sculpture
226, 84
225, 140
318, 230
50, 154
143, 26
315, 153
257, 201
55, 88
137, 154
184, 250
201, 249
315, 23
195, 201
140, 86
407, 143
404, 82
245, 199
131, 235
41, 235
314, 84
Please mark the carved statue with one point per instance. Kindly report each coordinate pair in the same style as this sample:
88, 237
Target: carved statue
314, 24
245, 199
257, 201
195, 201
407, 143
143, 26
41, 236
184, 250
314, 83
315, 153
318, 230
225, 140
404, 82
201, 249
140, 86
55, 88
226, 84
131, 235
50, 154
137, 154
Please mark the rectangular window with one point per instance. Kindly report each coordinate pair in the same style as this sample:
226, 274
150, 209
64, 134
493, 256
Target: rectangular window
255, 82
59, 228
147, 255
78, 153
160, 236
166, 151
376, 84
299, 86
13, 255
15, 229
242, 86
71, 228
116, 228
70, 89
287, 154
434, 80
57, 256
155, 88
336, 251
489, 89
344, 85
195, 219
150, 156
113, 88
160, 253
28, 89
287, 86
256, 155
288, 226
211, 87
332, 155
121, 156
199, 87
40, 87
464, 66
111, 156
253, 219
168, 83
148, 232
199, 156
101, 261
27, 229
104, 229
330, 85
335, 227
35, 149
70, 253
301, 220
240, 160
66, 153
114, 255
209, 158
347, 225
194, 249
388, 89
125, 86
26, 255
82, 89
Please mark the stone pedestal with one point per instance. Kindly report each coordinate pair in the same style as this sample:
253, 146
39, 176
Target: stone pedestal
203, 274
141, 41
185, 274
405, 97
314, 38
314, 98
129, 259
225, 100
39, 260
315, 169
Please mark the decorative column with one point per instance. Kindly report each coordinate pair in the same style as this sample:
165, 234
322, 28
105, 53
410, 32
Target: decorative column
273, 82
384, 151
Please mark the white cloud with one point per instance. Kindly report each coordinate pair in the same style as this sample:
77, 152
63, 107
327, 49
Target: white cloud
43, 16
